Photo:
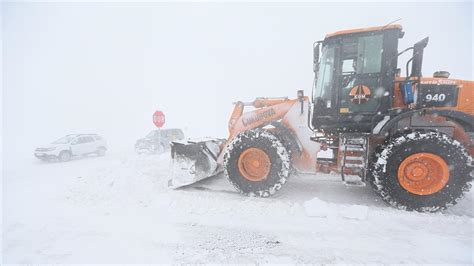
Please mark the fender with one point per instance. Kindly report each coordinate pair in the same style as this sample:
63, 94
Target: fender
288, 136
465, 120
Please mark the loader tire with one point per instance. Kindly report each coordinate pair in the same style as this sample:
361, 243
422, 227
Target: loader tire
257, 163
424, 171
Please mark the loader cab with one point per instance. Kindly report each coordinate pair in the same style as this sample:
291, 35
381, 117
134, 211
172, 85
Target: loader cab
354, 75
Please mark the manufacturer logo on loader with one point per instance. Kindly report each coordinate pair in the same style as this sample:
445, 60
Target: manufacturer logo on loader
261, 116
360, 94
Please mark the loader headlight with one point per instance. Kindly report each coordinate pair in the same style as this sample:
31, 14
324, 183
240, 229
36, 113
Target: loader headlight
300, 95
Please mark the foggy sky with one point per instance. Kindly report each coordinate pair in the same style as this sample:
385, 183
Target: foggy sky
105, 67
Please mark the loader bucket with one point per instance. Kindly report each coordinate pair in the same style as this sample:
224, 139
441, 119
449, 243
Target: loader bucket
193, 161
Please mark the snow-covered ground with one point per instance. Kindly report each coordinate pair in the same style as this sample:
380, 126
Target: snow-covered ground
118, 209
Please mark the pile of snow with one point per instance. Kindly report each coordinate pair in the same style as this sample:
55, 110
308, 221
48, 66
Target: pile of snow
321, 209
118, 209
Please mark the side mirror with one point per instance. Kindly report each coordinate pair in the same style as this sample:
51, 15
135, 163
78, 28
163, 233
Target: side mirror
418, 57
316, 56
300, 95
74, 142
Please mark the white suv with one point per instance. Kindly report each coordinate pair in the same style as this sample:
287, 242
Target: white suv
66, 147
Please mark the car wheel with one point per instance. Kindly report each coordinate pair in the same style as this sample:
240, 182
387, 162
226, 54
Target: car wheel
65, 156
101, 151
158, 149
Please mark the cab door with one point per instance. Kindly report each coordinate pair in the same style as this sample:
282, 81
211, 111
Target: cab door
359, 77
351, 97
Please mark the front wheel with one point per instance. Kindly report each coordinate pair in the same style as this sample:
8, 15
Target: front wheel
257, 163
421, 171
157, 148
65, 156
101, 151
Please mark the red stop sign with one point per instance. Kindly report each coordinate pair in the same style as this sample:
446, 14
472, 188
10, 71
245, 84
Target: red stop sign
158, 119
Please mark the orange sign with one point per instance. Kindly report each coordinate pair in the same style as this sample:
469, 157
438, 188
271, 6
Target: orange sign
360, 94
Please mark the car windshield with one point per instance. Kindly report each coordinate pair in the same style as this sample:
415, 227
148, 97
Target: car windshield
64, 140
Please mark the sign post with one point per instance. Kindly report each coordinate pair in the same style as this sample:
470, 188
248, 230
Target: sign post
159, 121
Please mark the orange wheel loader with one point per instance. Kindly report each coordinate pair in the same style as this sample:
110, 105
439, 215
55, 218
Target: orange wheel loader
410, 138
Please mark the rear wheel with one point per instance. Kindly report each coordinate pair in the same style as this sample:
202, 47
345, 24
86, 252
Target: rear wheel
257, 163
422, 171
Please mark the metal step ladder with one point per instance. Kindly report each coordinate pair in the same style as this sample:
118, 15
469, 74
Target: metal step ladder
357, 147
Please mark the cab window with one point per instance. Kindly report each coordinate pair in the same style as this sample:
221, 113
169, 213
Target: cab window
369, 54
324, 83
